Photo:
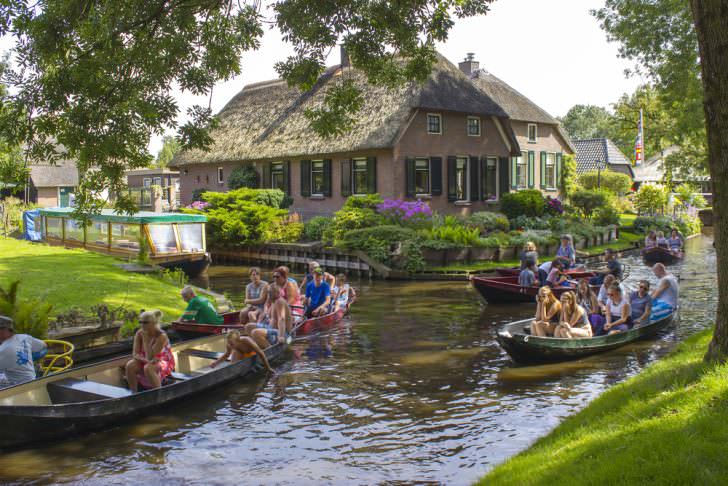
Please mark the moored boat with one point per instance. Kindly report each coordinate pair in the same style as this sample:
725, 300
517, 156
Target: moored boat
524, 348
498, 290
657, 254
94, 397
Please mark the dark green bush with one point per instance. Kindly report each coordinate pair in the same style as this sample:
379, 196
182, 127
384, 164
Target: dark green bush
529, 202
314, 228
606, 215
685, 224
197, 194
354, 240
370, 201
609, 180
587, 201
356, 213
488, 221
379, 242
30, 316
243, 176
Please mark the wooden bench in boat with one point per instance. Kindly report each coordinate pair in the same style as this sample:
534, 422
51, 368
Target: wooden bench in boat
72, 390
201, 353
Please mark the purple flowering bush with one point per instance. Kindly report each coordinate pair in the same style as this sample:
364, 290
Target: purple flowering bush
554, 206
199, 205
405, 213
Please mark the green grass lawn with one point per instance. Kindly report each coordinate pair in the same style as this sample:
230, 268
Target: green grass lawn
79, 278
627, 219
667, 425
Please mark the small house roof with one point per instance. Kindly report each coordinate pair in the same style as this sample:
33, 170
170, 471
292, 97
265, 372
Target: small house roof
61, 174
267, 120
142, 217
591, 151
652, 170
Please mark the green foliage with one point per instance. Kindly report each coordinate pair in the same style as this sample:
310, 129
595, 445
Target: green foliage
439, 245
568, 183
143, 255
174, 276
370, 201
460, 235
529, 202
11, 213
29, 316
315, 228
651, 199
197, 194
583, 122
243, 176
609, 180
487, 221
686, 225
283, 230
379, 242
170, 146
688, 195
412, 254
587, 201
606, 216
356, 213
13, 171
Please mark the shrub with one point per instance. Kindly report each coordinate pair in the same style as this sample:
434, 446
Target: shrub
406, 213
243, 176
568, 183
283, 230
609, 180
11, 211
314, 228
554, 206
439, 245
606, 215
391, 234
487, 221
380, 241
688, 196
651, 199
539, 237
525, 222
197, 194
587, 201
370, 201
30, 317
461, 235
357, 212
413, 261
686, 225
498, 239
529, 202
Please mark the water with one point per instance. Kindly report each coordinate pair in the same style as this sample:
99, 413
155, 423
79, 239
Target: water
412, 388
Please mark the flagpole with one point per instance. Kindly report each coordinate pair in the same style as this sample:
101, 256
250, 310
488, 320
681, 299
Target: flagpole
642, 135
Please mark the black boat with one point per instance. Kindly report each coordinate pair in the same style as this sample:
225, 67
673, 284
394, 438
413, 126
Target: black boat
524, 348
95, 397
657, 254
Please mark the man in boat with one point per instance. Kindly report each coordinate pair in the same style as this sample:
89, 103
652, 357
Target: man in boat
17, 354
313, 265
318, 295
529, 275
667, 291
613, 267
199, 309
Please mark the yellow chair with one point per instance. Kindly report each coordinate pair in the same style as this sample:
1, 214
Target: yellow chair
57, 362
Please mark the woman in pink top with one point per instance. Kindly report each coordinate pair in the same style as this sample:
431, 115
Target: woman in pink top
152, 360
289, 291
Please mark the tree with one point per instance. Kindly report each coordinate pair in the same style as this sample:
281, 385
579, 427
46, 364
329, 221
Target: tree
170, 146
95, 78
711, 17
243, 176
568, 183
609, 180
587, 121
13, 171
587, 201
651, 199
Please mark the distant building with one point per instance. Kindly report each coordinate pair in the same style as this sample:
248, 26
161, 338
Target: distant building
53, 185
592, 152
652, 171
141, 181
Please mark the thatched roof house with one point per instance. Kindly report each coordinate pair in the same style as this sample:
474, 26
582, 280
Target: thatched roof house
52, 185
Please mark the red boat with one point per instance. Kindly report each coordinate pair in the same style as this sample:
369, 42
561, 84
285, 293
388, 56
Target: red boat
232, 322
497, 290
574, 273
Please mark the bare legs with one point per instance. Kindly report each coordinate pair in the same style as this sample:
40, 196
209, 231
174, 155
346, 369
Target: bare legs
151, 372
542, 328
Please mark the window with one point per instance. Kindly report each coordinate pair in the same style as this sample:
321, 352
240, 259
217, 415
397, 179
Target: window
220, 178
550, 171
532, 132
97, 233
147, 182
422, 176
277, 176
473, 126
157, 181
490, 179
359, 176
317, 178
125, 236
190, 237
207, 178
163, 238
522, 170
461, 180
54, 228
197, 179
434, 124
73, 230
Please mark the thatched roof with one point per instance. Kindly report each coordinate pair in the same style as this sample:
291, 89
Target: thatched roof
63, 174
266, 120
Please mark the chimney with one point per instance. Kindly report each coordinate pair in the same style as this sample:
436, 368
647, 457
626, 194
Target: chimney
469, 65
345, 59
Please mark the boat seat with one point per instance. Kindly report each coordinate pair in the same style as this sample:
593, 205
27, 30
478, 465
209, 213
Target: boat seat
177, 376
201, 353
72, 390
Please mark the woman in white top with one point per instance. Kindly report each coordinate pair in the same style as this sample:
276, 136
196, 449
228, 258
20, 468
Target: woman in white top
574, 322
618, 312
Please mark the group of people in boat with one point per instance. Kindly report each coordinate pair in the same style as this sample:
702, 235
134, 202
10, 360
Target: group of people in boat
582, 313
656, 239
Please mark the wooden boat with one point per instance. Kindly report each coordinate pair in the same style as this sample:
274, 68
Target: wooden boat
231, 322
657, 254
524, 348
575, 273
498, 290
94, 397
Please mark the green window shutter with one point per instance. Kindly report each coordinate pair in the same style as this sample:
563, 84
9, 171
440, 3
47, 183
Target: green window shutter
543, 170
531, 168
371, 175
452, 187
409, 169
473, 167
266, 175
346, 177
514, 172
305, 178
558, 170
436, 176
327, 178
287, 176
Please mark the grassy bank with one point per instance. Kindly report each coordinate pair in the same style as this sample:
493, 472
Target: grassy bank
78, 278
667, 425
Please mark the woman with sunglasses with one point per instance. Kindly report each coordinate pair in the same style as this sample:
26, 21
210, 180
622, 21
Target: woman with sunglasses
152, 359
618, 311
641, 303
574, 322
289, 291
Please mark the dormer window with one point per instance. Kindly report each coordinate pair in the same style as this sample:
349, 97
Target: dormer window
434, 124
532, 132
473, 126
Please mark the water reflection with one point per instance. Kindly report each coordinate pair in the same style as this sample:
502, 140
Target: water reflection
413, 388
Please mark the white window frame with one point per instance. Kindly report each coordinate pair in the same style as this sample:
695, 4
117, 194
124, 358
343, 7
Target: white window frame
147, 182
497, 174
155, 180
535, 133
439, 117
313, 163
220, 175
466, 194
480, 126
522, 161
428, 192
551, 187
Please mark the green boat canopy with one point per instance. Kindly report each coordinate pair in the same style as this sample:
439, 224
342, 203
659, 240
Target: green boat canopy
142, 217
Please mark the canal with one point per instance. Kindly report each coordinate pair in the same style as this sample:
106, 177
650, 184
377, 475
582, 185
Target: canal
412, 388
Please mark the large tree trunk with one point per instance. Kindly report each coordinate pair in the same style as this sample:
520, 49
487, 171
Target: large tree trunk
711, 19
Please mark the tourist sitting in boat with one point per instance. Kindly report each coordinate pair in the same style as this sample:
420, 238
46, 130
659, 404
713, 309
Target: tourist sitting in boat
289, 291
667, 290
603, 294
280, 321
18, 354
661, 240
528, 277
288, 272
318, 295
651, 239
256, 294
557, 277
619, 312
529, 255
641, 303
586, 298
199, 309
312, 265
566, 252
343, 293
548, 312
574, 322
675, 242
152, 359
241, 347
613, 267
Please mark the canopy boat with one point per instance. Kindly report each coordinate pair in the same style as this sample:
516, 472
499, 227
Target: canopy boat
174, 240
498, 290
575, 273
524, 348
658, 254
94, 397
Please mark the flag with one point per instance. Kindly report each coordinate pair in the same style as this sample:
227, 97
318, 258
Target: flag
639, 143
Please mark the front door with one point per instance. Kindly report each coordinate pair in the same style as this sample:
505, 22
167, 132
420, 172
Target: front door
65, 196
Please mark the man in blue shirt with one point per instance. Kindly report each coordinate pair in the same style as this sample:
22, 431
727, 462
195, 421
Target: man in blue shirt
318, 295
